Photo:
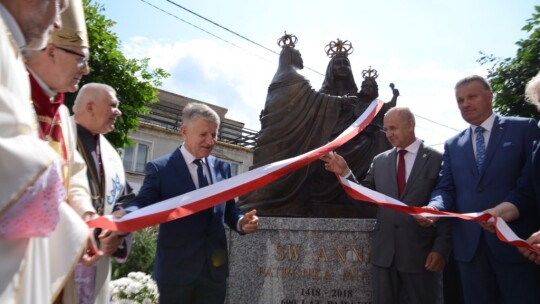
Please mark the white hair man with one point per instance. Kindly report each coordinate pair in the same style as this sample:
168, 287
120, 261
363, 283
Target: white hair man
95, 112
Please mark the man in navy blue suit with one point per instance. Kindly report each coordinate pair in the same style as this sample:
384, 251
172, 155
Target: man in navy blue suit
191, 263
480, 169
528, 189
530, 185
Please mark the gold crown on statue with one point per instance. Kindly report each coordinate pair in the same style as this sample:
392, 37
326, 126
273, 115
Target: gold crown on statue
287, 40
338, 48
73, 32
370, 73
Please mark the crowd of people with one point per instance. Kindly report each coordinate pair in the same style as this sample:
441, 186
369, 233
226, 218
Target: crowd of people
60, 171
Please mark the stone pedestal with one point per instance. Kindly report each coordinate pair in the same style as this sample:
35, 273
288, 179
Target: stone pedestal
302, 261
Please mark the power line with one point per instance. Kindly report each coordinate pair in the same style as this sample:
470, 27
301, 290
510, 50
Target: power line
219, 25
433, 145
209, 33
226, 29
437, 123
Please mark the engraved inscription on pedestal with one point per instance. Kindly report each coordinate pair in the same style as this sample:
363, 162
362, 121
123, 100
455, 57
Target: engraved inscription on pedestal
302, 261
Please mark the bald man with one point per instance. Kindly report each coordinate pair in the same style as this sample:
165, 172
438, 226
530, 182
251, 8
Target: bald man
407, 259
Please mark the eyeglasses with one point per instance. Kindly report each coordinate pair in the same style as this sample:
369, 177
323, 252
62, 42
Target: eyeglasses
83, 60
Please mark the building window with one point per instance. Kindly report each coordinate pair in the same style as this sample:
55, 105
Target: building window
234, 169
136, 157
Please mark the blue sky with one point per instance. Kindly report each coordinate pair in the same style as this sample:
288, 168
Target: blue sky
421, 46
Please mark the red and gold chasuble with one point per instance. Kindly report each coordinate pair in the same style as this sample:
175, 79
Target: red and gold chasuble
50, 123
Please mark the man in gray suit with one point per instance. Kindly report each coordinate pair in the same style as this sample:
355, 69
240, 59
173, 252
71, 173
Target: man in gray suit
407, 258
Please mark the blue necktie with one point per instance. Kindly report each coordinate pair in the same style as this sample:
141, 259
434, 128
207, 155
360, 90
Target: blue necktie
203, 182
480, 147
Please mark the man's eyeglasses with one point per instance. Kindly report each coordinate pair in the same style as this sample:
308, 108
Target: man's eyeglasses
83, 60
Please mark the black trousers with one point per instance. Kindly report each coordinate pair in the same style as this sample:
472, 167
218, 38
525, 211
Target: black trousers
204, 290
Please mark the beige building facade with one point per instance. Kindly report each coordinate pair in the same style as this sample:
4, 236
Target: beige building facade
158, 134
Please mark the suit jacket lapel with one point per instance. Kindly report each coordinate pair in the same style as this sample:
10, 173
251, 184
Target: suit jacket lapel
180, 165
210, 160
497, 133
422, 157
465, 141
392, 171
536, 163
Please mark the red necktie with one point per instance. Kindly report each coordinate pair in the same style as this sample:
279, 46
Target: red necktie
401, 171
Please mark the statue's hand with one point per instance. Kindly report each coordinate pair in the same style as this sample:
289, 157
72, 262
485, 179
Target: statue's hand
395, 92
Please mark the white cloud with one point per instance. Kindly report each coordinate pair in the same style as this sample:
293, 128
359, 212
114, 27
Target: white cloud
208, 70
232, 79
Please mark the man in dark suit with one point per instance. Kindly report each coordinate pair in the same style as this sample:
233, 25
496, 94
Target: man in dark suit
528, 189
530, 185
191, 264
407, 258
481, 166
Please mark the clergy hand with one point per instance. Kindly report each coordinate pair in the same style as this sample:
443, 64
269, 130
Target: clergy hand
249, 222
92, 253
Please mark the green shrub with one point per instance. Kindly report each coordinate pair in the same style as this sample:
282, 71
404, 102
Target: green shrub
141, 256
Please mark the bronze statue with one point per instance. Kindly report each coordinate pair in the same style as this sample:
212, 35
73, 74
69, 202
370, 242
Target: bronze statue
339, 79
296, 119
327, 196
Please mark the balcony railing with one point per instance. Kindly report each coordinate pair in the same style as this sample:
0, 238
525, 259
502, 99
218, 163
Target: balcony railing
171, 118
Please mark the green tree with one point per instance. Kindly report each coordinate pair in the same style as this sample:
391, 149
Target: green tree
509, 76
133, 80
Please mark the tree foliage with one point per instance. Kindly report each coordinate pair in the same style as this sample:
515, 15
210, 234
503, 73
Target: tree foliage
509, 76
133, 81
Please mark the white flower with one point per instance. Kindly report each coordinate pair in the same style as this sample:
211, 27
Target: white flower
137, 287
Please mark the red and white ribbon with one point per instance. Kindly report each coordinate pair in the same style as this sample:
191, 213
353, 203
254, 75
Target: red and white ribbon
212, 195
504, 233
